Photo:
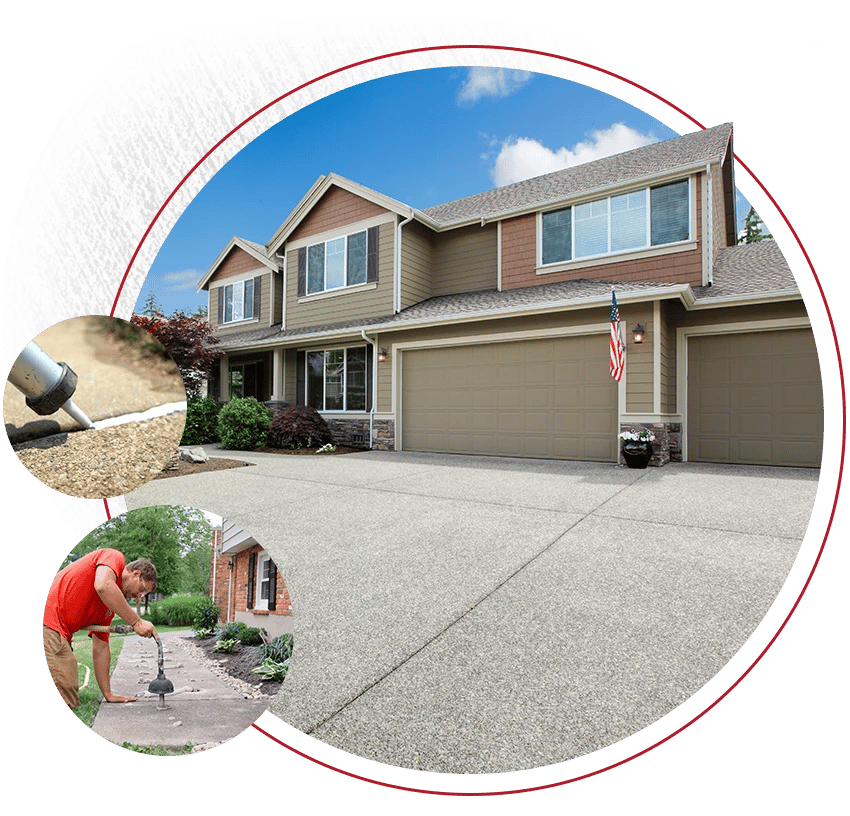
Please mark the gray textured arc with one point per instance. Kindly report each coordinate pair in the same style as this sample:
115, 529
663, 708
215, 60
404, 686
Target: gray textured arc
141, 124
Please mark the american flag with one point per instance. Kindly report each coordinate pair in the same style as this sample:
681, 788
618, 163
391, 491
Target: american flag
618, 359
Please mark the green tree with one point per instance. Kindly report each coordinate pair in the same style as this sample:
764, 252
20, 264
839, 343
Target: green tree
752, 233
173, 537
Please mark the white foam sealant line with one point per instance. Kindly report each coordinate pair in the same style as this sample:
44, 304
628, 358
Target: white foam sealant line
141, 416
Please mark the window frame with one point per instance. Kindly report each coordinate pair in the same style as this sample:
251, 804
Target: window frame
345, 391
346, 238
647, 246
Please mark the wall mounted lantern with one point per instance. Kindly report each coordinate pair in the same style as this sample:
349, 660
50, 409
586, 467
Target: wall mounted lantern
639, 332
382, 355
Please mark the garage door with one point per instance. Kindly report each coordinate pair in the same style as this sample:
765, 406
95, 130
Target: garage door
550, 398
755, 398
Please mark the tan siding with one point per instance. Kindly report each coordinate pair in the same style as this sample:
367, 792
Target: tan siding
718, 212
465, 260
337, 208
277, 305
237, 262
416, 264
344, 305
768, 311
668, 364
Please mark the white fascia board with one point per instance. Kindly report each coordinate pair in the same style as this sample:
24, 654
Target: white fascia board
235, 241
745, 300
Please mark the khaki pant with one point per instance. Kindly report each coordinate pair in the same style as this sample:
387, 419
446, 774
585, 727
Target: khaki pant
62, 665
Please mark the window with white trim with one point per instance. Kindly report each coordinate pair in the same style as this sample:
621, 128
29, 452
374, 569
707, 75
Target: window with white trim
641, 219
264, 581
336, 263
336, 379
238, 301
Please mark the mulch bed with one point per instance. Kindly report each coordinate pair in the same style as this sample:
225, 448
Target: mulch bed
239, 662
184, 468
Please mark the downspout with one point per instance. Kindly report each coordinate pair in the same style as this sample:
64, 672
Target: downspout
229, 589
709, 238
374, 383
398, 262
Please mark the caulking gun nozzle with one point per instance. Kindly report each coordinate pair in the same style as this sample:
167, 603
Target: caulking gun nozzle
77, 414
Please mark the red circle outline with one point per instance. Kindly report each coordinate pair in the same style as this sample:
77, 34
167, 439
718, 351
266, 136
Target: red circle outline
823, 298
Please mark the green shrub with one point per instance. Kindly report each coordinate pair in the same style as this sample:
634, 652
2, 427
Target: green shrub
225, 646
299, 426
243, 423
184, 610
250, 636
201, 421
207, 613
279, 650
232, 630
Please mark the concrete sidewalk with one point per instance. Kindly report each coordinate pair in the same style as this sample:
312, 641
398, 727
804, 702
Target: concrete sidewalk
475, 614
202, 709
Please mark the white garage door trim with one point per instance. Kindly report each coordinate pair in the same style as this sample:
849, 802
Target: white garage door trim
398, 349
684, 334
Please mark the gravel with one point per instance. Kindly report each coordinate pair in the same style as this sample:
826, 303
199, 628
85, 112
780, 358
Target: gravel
103, 463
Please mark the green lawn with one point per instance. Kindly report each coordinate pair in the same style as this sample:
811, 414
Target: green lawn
90, 695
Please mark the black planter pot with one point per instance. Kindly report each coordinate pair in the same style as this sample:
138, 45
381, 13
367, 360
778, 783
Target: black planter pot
637, 454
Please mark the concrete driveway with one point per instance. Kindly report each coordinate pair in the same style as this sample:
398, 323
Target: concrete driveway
475, 614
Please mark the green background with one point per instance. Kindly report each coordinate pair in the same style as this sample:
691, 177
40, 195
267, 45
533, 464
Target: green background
776, 743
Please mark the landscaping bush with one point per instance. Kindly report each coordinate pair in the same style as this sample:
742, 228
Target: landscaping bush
184, 610
201, 421
225, 646
250, 636
279, 650
207, 613
243, 423
270, 670
299, 426
231, 631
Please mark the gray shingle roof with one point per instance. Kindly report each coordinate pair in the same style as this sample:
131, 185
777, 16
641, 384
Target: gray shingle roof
747, 270
656, 158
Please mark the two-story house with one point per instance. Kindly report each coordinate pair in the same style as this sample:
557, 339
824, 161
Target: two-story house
481, 326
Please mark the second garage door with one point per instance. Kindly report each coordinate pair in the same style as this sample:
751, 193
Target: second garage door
755, 398
551, 398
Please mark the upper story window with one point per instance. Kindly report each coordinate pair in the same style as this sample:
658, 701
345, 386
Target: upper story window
237, 301
340, 262
653, 216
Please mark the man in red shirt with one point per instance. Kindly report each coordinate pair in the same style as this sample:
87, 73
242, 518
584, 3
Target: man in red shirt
90, 592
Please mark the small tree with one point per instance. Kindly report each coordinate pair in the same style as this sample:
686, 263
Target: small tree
299, 426
752, 233
190, 341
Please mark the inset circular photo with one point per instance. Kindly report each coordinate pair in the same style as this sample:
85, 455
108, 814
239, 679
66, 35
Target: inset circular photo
94, 406
168, 630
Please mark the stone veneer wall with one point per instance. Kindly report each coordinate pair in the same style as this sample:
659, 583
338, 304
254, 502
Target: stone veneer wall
355, 432
667, 445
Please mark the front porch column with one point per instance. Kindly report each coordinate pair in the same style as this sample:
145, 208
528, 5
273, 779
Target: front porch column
224, 379
277, 375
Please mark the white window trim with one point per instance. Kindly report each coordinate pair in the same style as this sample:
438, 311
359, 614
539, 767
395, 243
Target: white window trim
345, 286
343, 290
647, 250
252, 318
345, 410
259, 602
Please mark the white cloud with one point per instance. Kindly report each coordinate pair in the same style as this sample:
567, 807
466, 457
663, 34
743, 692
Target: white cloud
497, 82
179, 281
524, 158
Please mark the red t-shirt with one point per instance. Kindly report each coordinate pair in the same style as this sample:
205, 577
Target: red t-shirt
73, 603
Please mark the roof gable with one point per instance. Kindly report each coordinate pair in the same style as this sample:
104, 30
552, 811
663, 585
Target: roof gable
256, 251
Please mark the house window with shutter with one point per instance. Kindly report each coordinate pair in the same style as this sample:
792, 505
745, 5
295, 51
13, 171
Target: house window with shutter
265, 589
640, 219
239, 301
338, 263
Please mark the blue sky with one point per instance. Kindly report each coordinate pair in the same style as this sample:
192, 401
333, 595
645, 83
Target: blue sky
424, 137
